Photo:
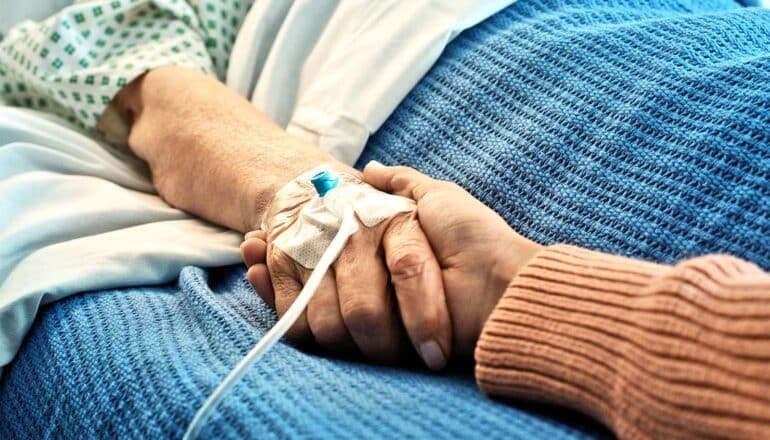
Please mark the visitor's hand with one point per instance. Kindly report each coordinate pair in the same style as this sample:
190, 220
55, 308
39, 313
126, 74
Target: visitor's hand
478, 252
354, 305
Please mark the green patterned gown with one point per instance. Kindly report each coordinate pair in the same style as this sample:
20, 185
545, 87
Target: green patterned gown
73, 63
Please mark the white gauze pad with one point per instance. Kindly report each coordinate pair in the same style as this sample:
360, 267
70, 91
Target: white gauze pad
306, 239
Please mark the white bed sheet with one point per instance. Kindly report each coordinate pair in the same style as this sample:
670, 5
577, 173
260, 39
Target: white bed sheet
77, 216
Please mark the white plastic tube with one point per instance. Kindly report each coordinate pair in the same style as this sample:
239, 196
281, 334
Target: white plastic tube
348, 227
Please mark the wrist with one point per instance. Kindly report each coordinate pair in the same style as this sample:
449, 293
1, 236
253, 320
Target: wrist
514, 253
261, 197
518, 252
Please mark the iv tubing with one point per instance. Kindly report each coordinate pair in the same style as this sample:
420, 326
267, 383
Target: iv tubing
348, 227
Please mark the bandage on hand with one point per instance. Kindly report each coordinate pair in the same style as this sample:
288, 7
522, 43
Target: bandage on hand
388, 259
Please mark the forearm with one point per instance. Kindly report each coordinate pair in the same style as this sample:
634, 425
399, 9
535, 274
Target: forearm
650, 350
211, 152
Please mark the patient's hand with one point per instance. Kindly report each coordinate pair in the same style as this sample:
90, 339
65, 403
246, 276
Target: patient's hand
214, 155
478, 252
353, 306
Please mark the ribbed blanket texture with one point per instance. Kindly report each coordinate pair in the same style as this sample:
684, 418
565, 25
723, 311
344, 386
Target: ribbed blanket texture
634, 127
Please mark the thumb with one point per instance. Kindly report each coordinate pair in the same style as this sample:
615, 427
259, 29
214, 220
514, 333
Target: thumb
402, 181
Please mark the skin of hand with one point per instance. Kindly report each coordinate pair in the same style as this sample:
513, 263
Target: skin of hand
477, 251
214, 155
354, 306
210, 151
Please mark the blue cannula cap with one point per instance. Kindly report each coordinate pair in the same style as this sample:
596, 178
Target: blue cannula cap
324, 181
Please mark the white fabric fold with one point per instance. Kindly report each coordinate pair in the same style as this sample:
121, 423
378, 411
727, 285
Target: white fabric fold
332, 71
76, 216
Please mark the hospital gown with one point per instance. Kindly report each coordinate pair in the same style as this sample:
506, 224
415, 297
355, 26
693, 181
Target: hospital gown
74, 63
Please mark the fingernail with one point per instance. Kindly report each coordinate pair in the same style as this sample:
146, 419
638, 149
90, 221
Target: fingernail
374, 164
432, 355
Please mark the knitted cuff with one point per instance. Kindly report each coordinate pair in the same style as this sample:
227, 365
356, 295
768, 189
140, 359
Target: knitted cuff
547, 340
652, 351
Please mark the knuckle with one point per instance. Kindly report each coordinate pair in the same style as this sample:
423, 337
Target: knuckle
420, 190
349, 256
400, 171
280, 265
408, 264
405, 221
401, 229
399, 179
285, 290
283, 287
275, 259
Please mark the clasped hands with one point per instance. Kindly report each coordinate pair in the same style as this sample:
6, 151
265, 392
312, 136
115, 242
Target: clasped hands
426, 279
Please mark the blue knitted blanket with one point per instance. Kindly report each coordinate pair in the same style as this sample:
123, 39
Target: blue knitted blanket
637, 127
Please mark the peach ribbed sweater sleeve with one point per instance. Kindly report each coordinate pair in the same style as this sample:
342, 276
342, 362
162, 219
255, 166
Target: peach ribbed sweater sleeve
652, 351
